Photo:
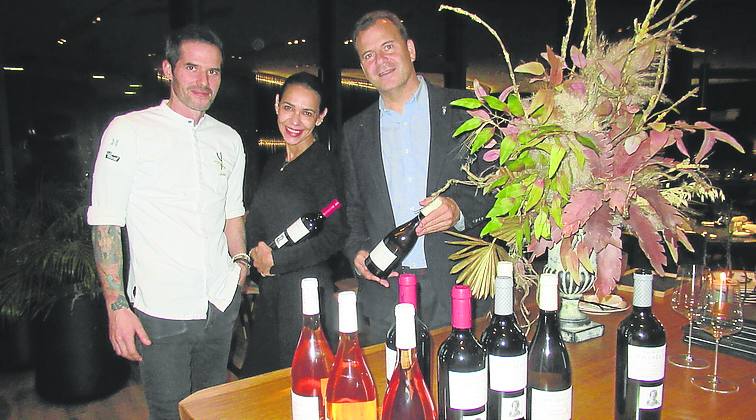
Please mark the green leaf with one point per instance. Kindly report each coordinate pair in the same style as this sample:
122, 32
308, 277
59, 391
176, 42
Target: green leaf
494, 103
526, 137
563, 185
557, 155
481, 139
512, 190
492, 225
535, 192
533, 67
506, 148
530, 179
503, 178
551, 128
515, 106
516, 207
556, 212
468, 125
468, 103
501, 206
579, 155
587, 142
541, 225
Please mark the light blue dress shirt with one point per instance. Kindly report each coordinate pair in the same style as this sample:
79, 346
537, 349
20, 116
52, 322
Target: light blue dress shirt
405, 149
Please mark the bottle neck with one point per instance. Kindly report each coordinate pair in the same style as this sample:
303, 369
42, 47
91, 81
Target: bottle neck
311, 321
503, 298
407, 358
408, 294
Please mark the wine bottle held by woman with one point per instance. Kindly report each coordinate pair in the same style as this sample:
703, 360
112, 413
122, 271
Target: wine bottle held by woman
312, 361
507, 350
407, 395
641, 352
305, 226
408, 294
392, 249
350, 394
462, 368
549, 392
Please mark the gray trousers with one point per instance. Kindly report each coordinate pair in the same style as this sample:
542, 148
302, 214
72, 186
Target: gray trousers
185, 356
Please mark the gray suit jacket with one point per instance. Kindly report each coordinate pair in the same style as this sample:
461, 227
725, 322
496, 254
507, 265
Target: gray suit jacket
368, 205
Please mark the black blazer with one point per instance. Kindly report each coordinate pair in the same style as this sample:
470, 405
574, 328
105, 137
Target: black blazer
368, 206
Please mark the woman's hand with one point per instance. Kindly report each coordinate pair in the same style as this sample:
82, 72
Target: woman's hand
262, 258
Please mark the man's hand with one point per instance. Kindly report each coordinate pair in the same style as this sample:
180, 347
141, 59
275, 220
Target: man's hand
440, 219
262, 258
123, 325
359, 264
243, 273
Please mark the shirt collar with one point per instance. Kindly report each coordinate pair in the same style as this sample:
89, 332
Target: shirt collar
414, 99
178, 117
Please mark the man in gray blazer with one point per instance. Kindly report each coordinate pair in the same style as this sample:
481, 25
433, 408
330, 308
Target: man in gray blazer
395, 154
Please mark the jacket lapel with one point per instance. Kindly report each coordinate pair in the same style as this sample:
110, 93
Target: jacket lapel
439, 143
373, 165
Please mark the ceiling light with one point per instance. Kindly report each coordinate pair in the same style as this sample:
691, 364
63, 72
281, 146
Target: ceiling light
62, 41
10, 68
289, 43
135, 85
98, 76
129, 92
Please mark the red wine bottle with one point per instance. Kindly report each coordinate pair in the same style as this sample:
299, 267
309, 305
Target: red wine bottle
462, 369
407, 395
408, 294
392, 249
350, 394
312, 360
549, 393
305, 226
641, 351
507, 350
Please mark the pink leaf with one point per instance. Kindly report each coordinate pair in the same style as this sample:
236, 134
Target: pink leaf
604, 108
677, 135
598, 230
706, 146
726, 138
632, 142
569, 258
682, 237
703, 125
625, 164
633, 108
539, 247
581, 206
617, 192
577, 87
583, 252
577, 56
479, 91
609, 269
658, 141
491, 155
555, 67
668, 214
671, 240
612, 73
490, 144
648, 238
505, 93
511, 130
482, 114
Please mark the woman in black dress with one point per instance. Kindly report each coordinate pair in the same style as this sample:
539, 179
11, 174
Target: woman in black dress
302, 180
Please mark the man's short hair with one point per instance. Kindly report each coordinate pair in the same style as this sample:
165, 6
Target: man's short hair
191, 32
369, 19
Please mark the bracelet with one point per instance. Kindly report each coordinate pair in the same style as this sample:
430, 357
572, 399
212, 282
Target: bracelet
242, 258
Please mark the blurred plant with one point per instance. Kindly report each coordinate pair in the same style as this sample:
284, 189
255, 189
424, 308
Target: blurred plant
582, 157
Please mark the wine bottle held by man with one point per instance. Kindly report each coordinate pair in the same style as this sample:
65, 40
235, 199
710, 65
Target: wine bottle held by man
507, 350
407, 395
462, 368
392, 249
305, 226
641, 352
549, 392
350, 393
408, 294
312, 360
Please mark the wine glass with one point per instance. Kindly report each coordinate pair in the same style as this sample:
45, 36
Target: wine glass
722, 315
686, 300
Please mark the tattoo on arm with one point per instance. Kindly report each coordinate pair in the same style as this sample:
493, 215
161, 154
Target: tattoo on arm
108, 254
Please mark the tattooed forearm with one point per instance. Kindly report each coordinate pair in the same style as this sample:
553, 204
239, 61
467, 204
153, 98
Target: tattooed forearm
108, 253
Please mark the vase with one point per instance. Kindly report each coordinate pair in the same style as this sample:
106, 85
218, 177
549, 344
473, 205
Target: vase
575, 325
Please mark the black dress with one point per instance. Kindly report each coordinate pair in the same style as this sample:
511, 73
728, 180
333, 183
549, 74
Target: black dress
286, 192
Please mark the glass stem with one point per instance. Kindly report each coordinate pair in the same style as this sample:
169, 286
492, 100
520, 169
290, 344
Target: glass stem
716, 359
690, 333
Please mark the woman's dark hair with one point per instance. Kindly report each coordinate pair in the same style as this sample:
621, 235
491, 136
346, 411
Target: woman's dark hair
191, 32
309, 81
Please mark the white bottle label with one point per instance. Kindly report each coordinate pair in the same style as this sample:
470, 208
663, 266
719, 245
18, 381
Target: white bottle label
381, 256
304, 408
646, 363
551, 405
390, 363
508, 373
650, 397
479, 416
281, 240
513, 408
467, 390
297, 230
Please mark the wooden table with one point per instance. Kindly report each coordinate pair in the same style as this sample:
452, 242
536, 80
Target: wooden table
268, 397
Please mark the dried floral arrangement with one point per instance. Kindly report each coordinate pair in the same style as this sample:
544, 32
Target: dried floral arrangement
581, 158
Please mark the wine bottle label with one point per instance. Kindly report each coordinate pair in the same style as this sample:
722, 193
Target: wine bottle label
390, 363
551, 405
645, 363
381, 256
650, 397
304, 408
297, 230
281, 240
367, 410
512, 408
478, 416
508, 373
467, 390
